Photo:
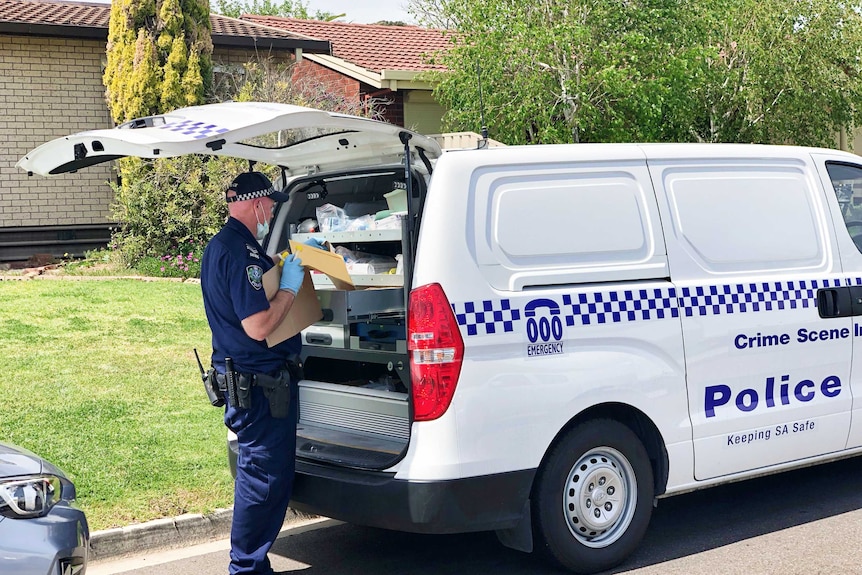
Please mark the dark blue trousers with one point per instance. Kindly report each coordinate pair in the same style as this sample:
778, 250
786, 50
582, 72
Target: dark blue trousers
264, 479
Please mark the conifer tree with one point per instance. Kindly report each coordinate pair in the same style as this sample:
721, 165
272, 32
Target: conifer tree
159, 59
159, 56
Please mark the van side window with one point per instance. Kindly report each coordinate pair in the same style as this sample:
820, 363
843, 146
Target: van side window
847, 183
733, 218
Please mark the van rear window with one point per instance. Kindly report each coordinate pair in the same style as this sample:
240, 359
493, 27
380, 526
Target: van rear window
847, 185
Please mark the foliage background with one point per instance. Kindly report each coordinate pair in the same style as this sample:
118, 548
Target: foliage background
763, 71
284, 8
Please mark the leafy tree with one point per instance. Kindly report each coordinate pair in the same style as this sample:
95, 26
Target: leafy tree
432, 13
285, 8
159, 58
781, 72
662, 70
561, 70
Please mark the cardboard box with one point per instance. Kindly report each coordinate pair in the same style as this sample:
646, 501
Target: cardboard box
306, 308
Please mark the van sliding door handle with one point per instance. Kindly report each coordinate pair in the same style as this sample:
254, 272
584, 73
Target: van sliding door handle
834, 302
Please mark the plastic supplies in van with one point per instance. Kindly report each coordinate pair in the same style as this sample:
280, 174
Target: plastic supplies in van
392, 222
361, 263
331, 218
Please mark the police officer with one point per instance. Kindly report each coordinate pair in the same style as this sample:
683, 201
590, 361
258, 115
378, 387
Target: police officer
241, 317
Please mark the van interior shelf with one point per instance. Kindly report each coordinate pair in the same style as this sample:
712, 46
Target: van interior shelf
348, 237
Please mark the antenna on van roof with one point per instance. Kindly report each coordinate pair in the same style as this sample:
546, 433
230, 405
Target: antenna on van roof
483, 143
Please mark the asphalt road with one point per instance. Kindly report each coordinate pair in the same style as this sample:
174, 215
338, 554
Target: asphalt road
802, 522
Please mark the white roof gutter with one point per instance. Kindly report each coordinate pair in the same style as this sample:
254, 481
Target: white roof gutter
387, 79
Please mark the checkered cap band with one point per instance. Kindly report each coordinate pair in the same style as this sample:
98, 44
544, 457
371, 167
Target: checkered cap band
250, 186
251, 195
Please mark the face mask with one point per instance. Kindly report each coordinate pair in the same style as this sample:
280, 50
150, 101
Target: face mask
262, 228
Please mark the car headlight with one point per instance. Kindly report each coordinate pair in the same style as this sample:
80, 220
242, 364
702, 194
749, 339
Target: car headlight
23, 497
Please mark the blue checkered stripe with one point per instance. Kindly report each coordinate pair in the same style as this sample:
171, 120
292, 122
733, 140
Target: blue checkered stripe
752, 297
596, 308
619, 306
196, 130
489, 315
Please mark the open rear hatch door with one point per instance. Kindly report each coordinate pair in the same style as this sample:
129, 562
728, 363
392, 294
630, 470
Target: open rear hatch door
297, 139
354, 406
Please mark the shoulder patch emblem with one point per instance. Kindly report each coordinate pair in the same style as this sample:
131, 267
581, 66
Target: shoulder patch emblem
255, 276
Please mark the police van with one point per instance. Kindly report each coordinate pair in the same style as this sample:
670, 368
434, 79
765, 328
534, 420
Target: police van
545, 340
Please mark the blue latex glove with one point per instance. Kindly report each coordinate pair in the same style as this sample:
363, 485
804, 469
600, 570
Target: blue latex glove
292, 274
315, 243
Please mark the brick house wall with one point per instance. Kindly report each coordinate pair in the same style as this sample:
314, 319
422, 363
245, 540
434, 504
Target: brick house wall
393, 112
50, 87
391, 104
335, 82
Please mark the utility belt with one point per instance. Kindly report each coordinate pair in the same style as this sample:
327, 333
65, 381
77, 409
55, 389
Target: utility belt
236, 386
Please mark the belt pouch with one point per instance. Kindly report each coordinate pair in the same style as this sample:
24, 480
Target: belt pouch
243, 391
294, 368
277, 392
211, 386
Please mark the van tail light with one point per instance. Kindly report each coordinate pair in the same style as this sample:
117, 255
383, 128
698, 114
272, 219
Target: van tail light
436, 351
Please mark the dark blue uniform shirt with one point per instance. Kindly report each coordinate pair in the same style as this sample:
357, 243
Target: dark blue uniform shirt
232, 283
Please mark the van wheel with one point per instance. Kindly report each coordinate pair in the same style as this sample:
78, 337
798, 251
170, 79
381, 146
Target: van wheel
593, 497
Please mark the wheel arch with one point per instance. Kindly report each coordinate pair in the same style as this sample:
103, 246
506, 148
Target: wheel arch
639, 423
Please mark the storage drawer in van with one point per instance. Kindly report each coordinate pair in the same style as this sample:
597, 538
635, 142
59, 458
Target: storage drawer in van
344, 307
388, 335
334, 335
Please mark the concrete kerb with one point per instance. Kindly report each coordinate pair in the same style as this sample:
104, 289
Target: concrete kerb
169, 533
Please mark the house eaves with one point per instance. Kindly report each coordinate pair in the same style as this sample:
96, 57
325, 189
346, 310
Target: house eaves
385, 79
384, 57
52, 30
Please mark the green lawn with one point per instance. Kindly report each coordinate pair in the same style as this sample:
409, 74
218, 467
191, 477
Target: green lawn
99, 377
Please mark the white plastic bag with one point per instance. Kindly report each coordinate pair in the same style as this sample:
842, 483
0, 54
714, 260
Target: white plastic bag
331, 218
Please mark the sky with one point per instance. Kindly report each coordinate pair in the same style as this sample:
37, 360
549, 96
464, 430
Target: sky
363, 11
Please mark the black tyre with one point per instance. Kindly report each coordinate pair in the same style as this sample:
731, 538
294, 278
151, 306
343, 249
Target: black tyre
593, 497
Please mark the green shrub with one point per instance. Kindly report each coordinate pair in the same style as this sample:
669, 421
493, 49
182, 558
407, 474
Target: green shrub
167, 206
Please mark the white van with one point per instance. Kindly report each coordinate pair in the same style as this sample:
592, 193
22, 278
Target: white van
548, 339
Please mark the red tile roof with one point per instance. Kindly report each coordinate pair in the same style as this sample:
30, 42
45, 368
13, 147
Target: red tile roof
374, 47
91, 19
90, 15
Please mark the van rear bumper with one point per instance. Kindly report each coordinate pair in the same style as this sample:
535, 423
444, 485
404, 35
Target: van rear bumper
377, 499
